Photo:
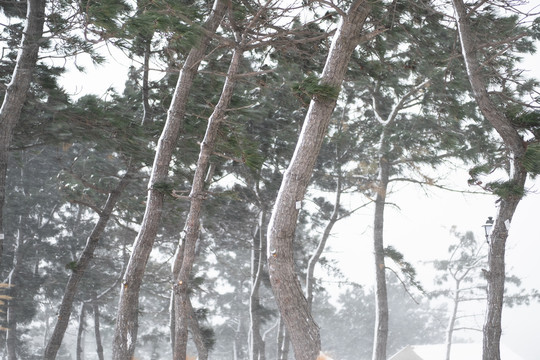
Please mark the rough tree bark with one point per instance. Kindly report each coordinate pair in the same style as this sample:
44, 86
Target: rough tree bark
516, 148
193, 324
125, 335
17, 89
302, 329
185, 257
66, 306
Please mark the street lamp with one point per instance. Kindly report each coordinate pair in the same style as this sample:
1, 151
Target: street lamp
488, 226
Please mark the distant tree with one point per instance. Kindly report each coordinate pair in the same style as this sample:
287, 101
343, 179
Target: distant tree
463, 275
463, 270
347, 330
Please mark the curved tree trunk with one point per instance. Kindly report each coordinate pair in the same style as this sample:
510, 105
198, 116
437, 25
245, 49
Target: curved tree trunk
185, 258
125, 335
292, 304
17, 89
516, 149
64, 311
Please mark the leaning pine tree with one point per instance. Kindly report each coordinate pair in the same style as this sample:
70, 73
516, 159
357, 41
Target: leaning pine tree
522, 157
303, 331
125, 334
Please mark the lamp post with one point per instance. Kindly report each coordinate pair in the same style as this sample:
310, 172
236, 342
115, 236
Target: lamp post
488, 226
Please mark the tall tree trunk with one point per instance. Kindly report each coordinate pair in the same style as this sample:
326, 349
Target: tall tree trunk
193, 324
16, 91
125, 335
81, 265
80, 332
380, 339
381, 297
185, 258
97, 330
258, 251
292, 304
516, 148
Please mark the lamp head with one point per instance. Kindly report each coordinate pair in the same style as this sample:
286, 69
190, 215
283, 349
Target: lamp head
488, 226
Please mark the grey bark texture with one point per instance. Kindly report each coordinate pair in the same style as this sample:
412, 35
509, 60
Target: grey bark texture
516, 148
292, 304
17, 90
66, 306
125, 335
185, 258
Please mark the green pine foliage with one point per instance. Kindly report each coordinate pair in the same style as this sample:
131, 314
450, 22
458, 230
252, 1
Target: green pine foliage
310, 88
531, 160
506, 189
405, 267
104, 13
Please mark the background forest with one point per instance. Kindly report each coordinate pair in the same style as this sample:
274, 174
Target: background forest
195, 207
